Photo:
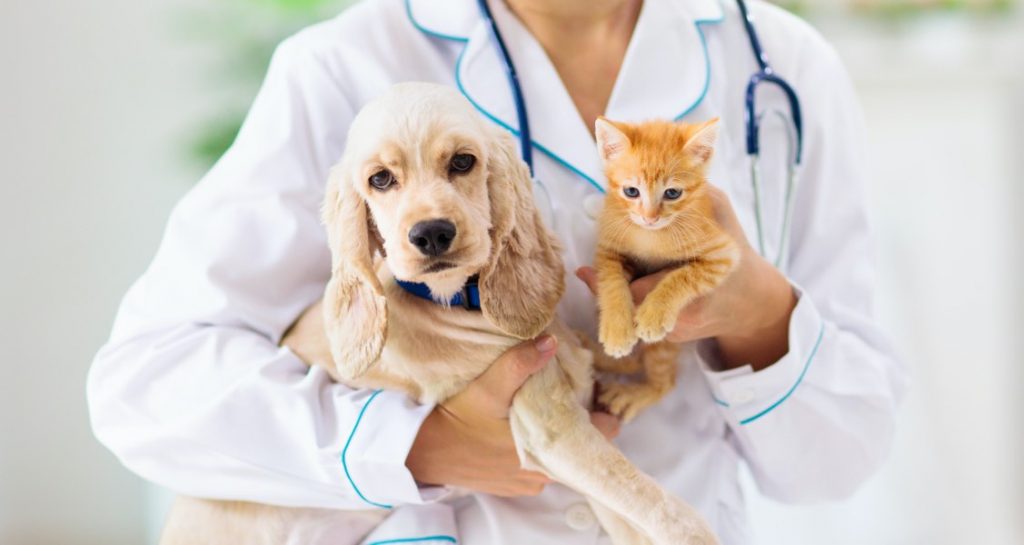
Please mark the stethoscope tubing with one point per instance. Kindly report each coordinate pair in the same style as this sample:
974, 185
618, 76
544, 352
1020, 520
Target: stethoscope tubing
525, 142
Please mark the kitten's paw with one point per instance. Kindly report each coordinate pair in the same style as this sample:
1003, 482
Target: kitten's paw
654, 322
627, 400
618, 336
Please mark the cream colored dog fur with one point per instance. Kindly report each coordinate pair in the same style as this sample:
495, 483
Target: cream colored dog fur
383, 337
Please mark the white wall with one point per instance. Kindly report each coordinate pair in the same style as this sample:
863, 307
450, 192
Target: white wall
97, 99
944, 102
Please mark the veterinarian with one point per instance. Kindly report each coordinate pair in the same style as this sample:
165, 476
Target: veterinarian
789, 373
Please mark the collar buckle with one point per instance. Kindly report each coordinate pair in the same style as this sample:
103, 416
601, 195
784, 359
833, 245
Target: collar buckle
467, 302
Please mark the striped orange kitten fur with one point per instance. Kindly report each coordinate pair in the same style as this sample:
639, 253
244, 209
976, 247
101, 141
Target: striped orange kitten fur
657, 215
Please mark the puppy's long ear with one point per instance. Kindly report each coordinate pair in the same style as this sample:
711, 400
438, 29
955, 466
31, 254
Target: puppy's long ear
355, 309
524, 279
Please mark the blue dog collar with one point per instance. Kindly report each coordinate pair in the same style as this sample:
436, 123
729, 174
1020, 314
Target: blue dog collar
468, 298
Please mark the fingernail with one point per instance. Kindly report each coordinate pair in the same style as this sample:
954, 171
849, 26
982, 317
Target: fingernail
545, 344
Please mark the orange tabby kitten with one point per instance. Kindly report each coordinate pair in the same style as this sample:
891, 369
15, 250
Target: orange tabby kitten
657, 215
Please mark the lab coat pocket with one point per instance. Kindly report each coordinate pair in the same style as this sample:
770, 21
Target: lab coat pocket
431, 524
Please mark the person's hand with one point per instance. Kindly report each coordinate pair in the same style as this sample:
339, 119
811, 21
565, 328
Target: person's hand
748, 314
307, 340
467, 442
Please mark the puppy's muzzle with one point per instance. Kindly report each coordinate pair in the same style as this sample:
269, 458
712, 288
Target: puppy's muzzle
432, 237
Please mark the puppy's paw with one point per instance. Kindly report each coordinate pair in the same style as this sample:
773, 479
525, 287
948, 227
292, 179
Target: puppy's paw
627, 400
617, 334
654, 321
690, 529
683, 525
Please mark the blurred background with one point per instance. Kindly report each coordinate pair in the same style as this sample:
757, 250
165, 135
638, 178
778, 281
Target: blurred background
110, 111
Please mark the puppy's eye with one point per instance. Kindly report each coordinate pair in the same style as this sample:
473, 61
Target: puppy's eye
673, 193
382, 180
630, 192
462, 163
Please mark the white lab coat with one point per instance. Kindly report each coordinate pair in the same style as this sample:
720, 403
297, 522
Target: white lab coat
192, 391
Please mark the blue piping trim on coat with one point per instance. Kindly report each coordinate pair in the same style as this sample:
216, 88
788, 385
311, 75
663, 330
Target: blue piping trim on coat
344, 453
507, 127
707, 62
446, 539
428, 32
719, 401
814, 352
458, 81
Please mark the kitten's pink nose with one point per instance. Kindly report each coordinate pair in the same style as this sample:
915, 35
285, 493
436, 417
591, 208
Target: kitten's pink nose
650, 220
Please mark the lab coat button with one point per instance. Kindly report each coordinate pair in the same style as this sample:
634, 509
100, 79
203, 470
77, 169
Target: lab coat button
593, 204
740, 397
580, 517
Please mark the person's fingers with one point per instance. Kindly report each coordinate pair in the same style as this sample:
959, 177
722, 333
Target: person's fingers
534, 477
607, 424
643, 285
725, 215
589, 277
533, 489
520, 483
500, 382
719, 204
515, 490
640, 287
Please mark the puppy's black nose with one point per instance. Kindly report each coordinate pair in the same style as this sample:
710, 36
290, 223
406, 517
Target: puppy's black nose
432, 237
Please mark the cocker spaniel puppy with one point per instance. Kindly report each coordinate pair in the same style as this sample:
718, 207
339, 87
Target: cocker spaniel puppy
440, 264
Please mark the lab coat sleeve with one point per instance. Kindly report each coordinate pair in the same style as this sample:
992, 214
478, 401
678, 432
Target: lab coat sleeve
817, 423
192, 390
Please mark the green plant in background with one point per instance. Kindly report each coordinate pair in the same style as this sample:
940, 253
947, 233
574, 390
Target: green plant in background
244, 34
898, 9
908, 9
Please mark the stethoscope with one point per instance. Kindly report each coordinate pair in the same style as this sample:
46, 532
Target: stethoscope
764, 75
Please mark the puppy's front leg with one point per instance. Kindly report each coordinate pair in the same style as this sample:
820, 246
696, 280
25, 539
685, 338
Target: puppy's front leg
619, 530
553, 431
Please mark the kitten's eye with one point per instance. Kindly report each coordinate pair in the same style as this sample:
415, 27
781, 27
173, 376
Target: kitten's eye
462, 163
382, 180
630, 192
673, 193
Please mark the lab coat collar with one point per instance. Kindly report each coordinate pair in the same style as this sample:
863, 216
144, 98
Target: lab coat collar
665, 74
445, 19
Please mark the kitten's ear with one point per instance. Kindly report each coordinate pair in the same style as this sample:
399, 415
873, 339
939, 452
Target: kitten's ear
701, 146
611, 141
